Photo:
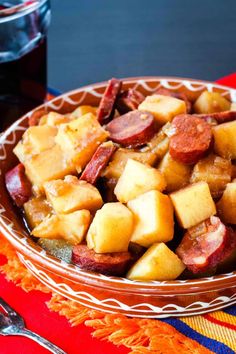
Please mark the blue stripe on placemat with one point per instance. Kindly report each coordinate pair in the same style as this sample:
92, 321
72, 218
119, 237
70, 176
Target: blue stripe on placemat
211, 344
230, 310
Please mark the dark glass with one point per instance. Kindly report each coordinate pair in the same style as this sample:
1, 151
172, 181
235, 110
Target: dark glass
23, 60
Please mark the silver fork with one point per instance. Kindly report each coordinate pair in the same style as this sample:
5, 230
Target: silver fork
12, 324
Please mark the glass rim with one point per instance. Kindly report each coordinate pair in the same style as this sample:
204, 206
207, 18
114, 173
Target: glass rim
20, 9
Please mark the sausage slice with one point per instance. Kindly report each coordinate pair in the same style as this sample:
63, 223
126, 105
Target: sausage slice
107, 103
219, 117
106, 263
206, 244
98, 162
18, 185
132, 129
191, 138
129, 100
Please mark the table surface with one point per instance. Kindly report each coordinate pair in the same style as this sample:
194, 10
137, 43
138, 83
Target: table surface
91, 41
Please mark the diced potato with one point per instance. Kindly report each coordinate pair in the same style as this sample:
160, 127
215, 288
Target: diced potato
193, 204
19, 151
36, 210
224, 140
214, 170
226, 207
210, 102
233, 106
154, 218
80, 138
48, 165
53, 119
59, 248
72, 194
157, 263
35, 140
176, 174
82, 110
120, 158
137, 179
111, 229
163, 108
71, 227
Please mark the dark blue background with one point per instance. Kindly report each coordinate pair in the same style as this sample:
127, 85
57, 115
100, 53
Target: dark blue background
93, 40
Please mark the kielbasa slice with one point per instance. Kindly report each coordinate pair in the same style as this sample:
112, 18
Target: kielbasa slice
206, 244
18, 185
191, 138
35, 117
129, 100
98, 162
106, 263
219, 117
133, 129
180, 95
107, 104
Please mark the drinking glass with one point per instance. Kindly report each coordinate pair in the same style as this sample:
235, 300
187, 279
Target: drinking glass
23, 57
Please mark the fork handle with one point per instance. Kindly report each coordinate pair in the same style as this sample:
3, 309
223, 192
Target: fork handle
40, 340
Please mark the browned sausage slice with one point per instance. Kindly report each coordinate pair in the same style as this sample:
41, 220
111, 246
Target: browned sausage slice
132, 129
98, 162
35, 117
206, 244
129, 100
107, 103
18, 185
179, 95
106, 263
191, 138
219, 117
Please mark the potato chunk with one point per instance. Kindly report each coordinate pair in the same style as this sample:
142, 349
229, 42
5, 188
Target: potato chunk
163, 108
72, 194
111, 229
137, 179
226, 207
71, 227
120, 158
233, 106
54, 119
48, 165
35, 140
225, 142
157, 263
214, 170
82, 110
154, 219
193, 204
176, 174
80, 138
210, 102
36, 210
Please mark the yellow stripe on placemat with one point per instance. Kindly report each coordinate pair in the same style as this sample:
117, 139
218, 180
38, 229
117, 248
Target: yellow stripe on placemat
214, 331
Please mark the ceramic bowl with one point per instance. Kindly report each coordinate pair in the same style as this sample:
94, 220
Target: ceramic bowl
111, 294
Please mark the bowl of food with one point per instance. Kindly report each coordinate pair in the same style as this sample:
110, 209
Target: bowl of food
121, 195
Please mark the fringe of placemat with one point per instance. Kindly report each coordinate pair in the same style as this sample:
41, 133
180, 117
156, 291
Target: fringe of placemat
142, 336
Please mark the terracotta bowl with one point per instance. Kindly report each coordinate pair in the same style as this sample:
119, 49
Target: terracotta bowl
111, 294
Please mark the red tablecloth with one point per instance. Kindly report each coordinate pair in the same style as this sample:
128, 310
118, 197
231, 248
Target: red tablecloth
38, 318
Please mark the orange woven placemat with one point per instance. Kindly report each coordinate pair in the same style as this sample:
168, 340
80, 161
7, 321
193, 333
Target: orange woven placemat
140, 335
